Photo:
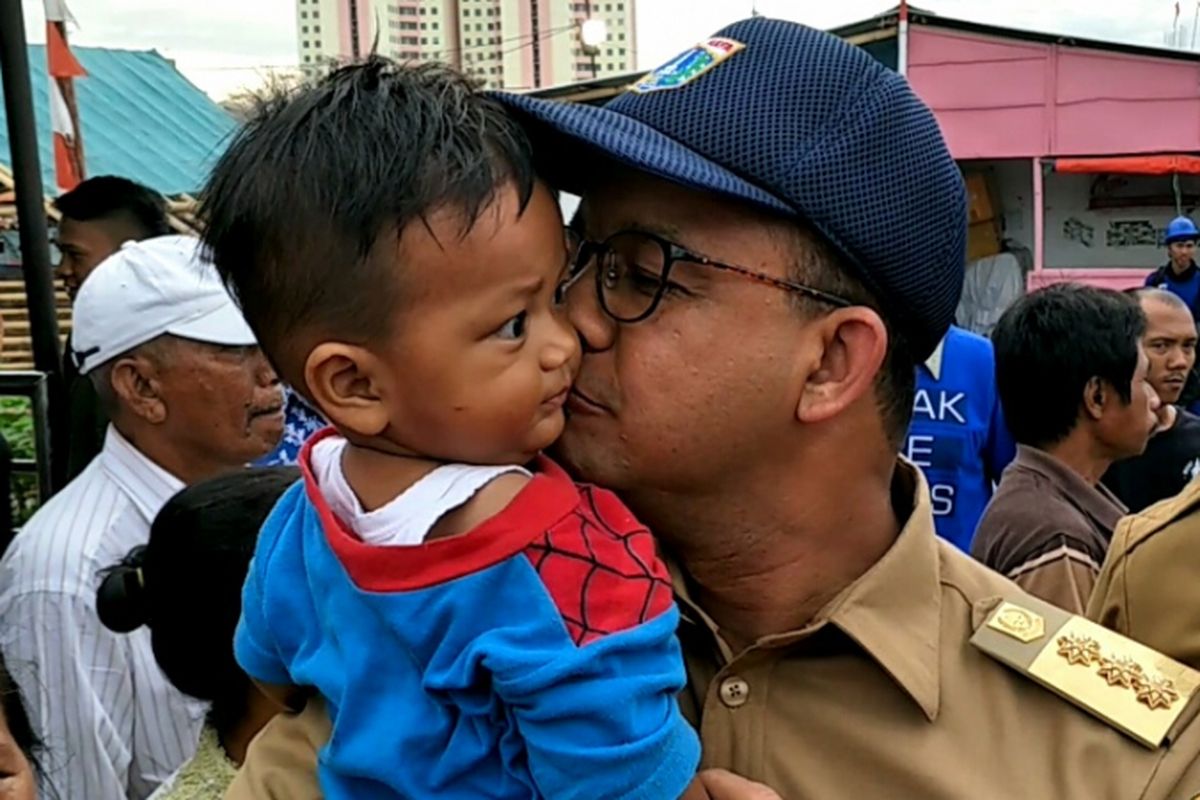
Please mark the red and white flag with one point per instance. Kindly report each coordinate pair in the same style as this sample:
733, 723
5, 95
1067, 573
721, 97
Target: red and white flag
64, 110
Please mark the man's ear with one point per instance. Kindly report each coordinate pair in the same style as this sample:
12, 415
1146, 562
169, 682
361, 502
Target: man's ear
847, 352
348, 384
137, 384
1095, 395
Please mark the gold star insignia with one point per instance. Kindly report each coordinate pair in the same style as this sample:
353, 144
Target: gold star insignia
1122, 671
1158, 691
1078, 649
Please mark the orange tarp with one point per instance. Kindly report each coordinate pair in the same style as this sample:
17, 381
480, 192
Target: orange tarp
1132, 165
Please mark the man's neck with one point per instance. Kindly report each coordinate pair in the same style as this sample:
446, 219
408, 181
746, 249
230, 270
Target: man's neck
1079, 452
1179, 270
765, 556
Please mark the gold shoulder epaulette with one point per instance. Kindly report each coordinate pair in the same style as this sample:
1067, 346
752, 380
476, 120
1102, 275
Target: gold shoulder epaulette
1135, 689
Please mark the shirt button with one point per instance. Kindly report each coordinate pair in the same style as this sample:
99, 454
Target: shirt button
734, 692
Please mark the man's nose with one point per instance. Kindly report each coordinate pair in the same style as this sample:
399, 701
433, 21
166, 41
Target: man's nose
264, 373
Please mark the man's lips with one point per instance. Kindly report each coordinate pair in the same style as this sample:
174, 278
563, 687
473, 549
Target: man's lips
580, 403
269, 411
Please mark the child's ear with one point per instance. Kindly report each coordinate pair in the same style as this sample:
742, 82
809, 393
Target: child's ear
345, 382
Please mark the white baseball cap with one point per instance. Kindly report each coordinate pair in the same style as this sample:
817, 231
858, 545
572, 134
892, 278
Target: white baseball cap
146, 289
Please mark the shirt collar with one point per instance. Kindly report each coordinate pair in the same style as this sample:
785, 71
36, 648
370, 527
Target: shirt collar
1096, 501
893, 611
934, 362
1182, 277
147, 485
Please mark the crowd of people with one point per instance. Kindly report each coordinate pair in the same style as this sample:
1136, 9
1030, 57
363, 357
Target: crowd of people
392, 484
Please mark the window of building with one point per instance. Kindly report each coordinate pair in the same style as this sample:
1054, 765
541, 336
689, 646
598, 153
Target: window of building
316, 28
306, 45
608, 7
621, 51
304, 29
303, 15
316, 14
621, 36
308, 59
620, 6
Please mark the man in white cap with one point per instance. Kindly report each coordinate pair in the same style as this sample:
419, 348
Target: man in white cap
190, 395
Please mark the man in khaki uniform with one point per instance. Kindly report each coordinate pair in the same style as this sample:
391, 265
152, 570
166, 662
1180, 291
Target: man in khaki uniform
1147, 589
773, 240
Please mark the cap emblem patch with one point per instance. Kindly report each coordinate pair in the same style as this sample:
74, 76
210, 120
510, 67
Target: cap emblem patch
688, 65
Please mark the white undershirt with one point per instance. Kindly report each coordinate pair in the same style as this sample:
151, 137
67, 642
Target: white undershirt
409, 517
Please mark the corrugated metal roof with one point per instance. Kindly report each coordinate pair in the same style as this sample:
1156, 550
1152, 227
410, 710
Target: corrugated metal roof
141, 119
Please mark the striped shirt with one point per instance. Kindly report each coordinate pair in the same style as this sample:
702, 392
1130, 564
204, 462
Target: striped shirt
112, 724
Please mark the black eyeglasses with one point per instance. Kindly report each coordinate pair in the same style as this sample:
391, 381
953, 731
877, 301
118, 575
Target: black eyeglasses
633, 271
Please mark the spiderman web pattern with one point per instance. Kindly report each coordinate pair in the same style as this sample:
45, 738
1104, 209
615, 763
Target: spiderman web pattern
604, 579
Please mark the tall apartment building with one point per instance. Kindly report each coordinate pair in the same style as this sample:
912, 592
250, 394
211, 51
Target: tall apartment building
513, 44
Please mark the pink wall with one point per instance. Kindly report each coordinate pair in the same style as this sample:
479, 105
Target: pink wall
1004, 98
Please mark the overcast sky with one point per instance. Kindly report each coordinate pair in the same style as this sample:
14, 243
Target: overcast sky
223, 45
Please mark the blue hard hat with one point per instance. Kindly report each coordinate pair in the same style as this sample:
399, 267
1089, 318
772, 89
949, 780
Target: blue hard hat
1182, 229
799, 122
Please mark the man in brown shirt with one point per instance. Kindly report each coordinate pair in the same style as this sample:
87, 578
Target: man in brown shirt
1071, 373
1147, 589
745, 392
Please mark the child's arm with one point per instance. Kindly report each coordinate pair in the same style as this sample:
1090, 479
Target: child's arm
598, 712
254, 644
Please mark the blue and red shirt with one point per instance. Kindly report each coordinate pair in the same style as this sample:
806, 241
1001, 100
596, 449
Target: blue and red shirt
534, 656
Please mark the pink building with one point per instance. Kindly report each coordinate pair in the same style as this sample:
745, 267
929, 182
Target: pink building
1087, 148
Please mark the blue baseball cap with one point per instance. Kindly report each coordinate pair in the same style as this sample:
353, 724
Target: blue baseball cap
797, 122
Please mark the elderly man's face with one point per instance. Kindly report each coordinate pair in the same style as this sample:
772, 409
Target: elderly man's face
684, 399
223, 403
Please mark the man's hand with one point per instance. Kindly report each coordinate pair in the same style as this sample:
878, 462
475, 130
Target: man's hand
723, 785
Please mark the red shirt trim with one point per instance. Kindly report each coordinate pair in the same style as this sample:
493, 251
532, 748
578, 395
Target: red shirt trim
544, 501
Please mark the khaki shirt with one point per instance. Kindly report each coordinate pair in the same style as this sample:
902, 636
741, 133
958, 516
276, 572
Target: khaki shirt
1048, 529
882, 695
1148, 589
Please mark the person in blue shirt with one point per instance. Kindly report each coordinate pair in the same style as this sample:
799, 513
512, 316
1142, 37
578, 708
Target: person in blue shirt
477, 624
958, 436
1180, 274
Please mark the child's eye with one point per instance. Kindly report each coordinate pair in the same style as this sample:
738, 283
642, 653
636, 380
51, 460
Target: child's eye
514, 328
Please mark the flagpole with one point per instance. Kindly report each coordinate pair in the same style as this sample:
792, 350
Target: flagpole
31, 219
902, 39
1195, 21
